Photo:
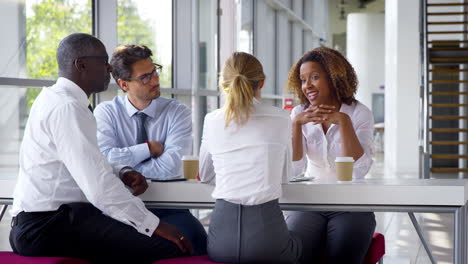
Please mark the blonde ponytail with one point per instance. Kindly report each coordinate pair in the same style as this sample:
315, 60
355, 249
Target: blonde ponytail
240, 78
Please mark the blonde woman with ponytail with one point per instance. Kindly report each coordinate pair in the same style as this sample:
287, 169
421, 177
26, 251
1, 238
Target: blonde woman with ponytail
246, 152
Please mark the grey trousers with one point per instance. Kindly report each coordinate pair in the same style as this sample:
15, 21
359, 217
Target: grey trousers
251, 234
336, 237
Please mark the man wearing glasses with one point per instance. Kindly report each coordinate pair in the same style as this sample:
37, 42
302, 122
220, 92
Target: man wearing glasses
68, 200
148, 132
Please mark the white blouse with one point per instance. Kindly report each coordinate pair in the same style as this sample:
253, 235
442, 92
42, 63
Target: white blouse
321, 149
248, 163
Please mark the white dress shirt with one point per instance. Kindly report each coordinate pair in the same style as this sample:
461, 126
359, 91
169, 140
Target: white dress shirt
168, 122
60, 162
249, 162
321, 149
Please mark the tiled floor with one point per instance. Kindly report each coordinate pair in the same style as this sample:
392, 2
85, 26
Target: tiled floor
402, 242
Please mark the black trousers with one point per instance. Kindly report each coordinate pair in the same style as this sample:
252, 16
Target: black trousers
80, 230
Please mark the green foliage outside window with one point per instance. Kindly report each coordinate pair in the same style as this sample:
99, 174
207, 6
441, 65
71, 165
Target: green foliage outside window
52, 20
132, 29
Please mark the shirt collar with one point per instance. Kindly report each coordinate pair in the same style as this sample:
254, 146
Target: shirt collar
256, 101
150, 110
73, 89
347, 109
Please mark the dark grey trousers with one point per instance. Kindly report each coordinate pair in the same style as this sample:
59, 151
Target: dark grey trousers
337, 237
187, 224
251, 234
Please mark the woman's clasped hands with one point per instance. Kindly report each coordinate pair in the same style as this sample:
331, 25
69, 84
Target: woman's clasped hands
318, 114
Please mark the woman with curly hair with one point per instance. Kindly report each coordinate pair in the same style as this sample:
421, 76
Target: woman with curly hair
330, 123
247, 163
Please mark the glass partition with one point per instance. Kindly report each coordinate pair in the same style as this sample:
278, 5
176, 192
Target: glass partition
148, 22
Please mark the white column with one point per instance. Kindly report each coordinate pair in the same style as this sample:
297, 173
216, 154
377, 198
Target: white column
264, 43
283, 54
366, 52
106, 31
402, 73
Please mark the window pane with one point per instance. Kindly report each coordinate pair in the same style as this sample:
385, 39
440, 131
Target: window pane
35, 28
14, 101
211, 103
184, 99
148, 22
207, 105
273, 102
207, 46
246, 27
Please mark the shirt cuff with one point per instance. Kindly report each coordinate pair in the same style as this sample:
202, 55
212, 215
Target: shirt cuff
298, 167
148, 226
117, 168
141, 152
362, 166
124, 170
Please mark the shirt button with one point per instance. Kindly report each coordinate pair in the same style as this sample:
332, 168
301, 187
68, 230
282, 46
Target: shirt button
147, 230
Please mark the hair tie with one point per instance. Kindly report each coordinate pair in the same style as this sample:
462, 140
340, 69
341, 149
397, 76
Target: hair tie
240, 76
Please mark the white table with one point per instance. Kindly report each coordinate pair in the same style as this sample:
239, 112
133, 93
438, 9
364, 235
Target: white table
377, 195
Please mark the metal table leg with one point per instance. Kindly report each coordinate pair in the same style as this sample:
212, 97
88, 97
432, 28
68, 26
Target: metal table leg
421, 237
3, 210
459, 233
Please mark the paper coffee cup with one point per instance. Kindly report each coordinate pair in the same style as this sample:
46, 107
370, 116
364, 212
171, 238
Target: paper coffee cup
190, 167
344, 168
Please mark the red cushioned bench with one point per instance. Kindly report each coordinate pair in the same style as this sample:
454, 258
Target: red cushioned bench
187, 260
12, 258
376, 250
374, 255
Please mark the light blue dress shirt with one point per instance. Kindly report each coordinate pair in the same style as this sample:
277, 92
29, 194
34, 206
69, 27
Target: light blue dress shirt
169, 122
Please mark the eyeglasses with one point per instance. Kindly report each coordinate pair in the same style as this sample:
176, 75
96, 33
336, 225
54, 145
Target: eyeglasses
146, 78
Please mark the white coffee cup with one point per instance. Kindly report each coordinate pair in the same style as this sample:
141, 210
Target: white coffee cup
190, 167
344, 169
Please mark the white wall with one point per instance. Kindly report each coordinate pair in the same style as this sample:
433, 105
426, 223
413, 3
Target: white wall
338, 25
366, 52
401, 85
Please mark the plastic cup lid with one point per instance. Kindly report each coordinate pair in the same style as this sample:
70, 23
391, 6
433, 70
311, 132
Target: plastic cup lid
344, 159
189, 157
